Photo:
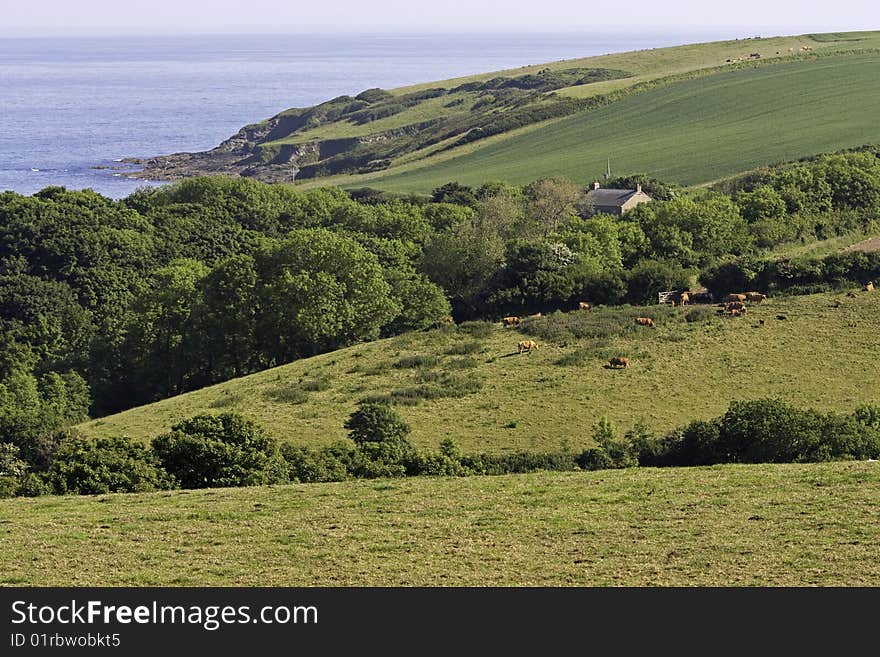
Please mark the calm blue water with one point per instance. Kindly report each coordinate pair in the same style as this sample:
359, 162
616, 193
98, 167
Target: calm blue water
70, 105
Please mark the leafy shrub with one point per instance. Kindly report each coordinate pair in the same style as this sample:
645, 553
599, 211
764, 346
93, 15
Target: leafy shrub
220, 450
307, 465
594, 458
111, 465
519, 462
12, 470
381, 438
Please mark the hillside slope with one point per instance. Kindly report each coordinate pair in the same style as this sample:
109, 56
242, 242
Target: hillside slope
377, 130
733, 525
689, 132
498, 401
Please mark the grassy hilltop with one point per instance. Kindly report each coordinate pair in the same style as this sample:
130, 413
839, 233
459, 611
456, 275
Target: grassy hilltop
733, 525
498, 401
688, 114
690, 132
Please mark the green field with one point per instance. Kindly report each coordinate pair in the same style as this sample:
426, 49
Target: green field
821, 356
733, 525
688, 132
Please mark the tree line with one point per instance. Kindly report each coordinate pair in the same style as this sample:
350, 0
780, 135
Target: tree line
105, 304
228, 450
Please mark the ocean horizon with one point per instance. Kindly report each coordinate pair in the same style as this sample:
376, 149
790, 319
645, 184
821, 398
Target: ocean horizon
74, 107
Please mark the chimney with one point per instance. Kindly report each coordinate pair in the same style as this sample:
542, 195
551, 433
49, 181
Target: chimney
638, 188
595, 184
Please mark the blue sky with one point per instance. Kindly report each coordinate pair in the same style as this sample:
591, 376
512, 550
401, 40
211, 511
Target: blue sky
764, 17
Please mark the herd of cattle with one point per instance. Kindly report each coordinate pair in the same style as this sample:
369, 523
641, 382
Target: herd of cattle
733, 305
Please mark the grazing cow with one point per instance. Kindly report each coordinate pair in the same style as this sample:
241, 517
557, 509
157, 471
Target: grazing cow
645, 321
734, 305
756, 297
527, 345
619, 361
869, 286
446, 320
735, 297
583, 305
513, 320
684, 299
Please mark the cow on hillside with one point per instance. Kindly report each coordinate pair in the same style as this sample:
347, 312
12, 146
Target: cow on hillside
645, 321
527, 346
619, 361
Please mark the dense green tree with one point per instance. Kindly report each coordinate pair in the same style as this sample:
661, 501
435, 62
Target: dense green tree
323, 291
161, 348
106, 465
220, 450
551, 201
225, 319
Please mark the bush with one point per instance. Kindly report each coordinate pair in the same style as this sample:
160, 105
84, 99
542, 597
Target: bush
15, 478
381, 438
112, 465
594, 458
435, 464
306, 465
519, 462
220, 450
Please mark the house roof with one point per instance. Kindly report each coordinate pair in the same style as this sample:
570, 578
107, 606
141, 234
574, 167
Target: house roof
610, 197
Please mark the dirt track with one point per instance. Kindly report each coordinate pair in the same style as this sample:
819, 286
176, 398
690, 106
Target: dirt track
867, 246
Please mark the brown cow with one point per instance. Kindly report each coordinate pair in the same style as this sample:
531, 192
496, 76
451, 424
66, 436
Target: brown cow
869, 286
735, 297
684, 299
737, 313
513, 320
583, 305
734, 305
619, 361
756, 297
446, 320
527, 345
645, 321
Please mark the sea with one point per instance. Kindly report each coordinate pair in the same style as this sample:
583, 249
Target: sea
71, 108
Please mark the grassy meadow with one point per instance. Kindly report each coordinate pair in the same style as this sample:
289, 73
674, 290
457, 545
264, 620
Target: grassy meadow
688, 132
470, 384
732, 525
